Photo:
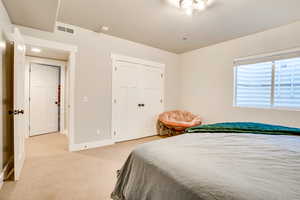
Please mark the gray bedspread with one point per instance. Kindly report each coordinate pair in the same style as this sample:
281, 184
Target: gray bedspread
212, 166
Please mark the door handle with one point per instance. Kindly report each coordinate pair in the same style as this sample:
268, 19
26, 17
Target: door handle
21, 111
16, 112
141, 105
12, 112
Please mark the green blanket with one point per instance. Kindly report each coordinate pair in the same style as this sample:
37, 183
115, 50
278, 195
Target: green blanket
244, 127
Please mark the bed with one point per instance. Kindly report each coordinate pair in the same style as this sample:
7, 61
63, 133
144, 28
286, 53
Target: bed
212, 166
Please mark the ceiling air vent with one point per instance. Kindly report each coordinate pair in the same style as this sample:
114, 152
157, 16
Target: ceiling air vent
65, 29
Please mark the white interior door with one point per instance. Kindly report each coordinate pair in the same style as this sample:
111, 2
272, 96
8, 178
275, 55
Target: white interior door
152, 99
19, 104
44, 99
126, 101
138, 100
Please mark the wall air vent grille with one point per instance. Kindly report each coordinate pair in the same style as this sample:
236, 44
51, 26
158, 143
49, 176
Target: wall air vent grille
65, 29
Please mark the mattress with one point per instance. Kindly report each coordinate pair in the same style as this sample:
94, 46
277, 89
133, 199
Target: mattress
210, 166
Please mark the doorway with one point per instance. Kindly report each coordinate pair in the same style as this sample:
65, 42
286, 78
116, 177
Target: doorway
15, 106
57, 52
46, 92
46, 99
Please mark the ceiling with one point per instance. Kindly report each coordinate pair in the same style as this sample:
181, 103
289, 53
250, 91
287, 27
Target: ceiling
159, 24
39, 14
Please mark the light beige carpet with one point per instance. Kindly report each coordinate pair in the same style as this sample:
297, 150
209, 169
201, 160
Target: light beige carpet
52, 173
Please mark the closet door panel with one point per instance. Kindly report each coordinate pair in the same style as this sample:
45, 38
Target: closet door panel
151, 92
127, 98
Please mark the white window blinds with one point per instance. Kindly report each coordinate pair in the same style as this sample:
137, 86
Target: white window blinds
268, 82
287, 83
253, 85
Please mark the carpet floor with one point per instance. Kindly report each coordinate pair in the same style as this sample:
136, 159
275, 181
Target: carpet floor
52, 173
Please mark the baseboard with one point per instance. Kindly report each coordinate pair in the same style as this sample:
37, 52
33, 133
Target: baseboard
90, 145
1, 179
133, 138
64, 132
5, 171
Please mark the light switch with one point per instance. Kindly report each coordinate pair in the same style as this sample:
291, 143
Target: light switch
85, 99
98, 132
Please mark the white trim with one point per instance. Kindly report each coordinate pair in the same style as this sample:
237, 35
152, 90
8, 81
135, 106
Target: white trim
270, 108
1, 179
90, 145
46, 61
63, 88
70, 74
117, 58
113, 94
71, 96
274, 53
272, 95
49, 44
133, 138
234, 85
50, 62
4, 170
17, 36
21, 160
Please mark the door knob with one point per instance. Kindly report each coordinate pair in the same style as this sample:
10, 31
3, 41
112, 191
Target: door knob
21, 112
16, 112
12, 112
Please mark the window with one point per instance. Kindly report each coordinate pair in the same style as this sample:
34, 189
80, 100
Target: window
254, 84
271, 84
287, 83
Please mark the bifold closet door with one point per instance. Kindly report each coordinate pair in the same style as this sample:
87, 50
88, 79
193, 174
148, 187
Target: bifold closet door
126, 100
138, 92
151, 85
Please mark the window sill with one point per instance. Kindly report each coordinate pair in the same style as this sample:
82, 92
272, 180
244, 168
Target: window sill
269, 108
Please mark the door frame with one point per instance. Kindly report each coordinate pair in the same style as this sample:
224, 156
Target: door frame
147, 63
62, 67
71, 68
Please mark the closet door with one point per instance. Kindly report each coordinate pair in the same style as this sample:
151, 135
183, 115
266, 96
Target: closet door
126, 99
152, 99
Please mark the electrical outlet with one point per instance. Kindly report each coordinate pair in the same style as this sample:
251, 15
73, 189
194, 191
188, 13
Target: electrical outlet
98, 132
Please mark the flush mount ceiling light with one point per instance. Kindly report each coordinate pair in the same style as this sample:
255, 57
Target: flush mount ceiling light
35, 50
189, 6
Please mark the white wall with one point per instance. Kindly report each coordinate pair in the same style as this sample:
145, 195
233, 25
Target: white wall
207, 77
5, 25
93, 76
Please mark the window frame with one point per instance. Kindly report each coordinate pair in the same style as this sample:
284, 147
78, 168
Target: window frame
272, 98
